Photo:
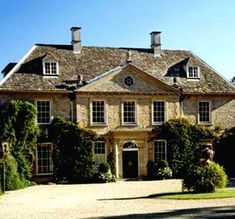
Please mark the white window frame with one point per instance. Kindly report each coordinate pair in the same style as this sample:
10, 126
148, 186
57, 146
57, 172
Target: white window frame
105, 152
91, 113
50, 113
210, 113
50, 159
44, 68
198, 72
154, 149
129, 123
165, 112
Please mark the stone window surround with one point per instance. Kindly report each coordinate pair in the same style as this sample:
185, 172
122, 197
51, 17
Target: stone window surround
154, 148
105, 114
165, 112
210, 113
50, 113
196, 75
122, 113
44, 67
49, 159
105, 152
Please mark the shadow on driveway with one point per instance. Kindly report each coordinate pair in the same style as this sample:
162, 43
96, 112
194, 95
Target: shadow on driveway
209, 212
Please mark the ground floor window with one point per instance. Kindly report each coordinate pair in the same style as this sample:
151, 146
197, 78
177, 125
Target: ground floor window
160, 150
44, 163
100, 152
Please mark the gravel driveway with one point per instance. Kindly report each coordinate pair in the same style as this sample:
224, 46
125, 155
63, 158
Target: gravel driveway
123, 199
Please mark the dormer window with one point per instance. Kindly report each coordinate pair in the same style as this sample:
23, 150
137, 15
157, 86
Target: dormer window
50, 68
193, 72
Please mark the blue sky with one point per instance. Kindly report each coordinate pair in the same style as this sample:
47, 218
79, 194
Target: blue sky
206, 27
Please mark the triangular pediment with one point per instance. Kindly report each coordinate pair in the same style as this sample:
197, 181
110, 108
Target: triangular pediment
116, 80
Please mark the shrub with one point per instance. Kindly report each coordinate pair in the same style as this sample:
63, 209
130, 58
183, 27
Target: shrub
205, 178
152, 170
12, 177
163, 164
110, 160
104, 167
164, 172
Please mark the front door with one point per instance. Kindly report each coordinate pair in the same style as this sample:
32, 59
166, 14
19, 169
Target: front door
130, 164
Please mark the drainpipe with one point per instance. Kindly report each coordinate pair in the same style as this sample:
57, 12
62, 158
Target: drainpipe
72, 97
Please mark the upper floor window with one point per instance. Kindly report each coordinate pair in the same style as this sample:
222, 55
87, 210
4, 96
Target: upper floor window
100, 152
204, 112
50, 68
160, 150
193, 72
129, 112
129, 81
98, 112
44, 163
43, 111
159, 114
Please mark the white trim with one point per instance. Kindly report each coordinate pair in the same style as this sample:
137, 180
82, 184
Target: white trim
210, 113
122, 112
154, 148
17, 66
198, 72
51, 105
44, 68
105, 73
105, 114
44, 174
165, 111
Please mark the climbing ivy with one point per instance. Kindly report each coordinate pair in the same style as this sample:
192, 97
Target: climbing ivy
73, 153
18, 127
183, 141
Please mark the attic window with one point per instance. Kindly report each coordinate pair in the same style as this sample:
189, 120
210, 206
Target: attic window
129, 81
193, 72
50, 68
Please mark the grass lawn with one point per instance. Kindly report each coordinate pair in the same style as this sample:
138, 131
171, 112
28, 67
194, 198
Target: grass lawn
220, 193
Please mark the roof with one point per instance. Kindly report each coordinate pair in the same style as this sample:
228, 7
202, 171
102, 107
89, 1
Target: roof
94, 61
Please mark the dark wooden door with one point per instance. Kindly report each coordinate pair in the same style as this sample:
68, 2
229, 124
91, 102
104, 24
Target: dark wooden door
130, 164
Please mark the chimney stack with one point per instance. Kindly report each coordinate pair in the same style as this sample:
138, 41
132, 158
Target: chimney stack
76, 39
156, 43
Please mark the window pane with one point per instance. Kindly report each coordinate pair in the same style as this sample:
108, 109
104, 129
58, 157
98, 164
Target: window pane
44, 158
204, 111
43, 112
98, 114
50, 68
99, 152
129, 112
160, 151
158, 111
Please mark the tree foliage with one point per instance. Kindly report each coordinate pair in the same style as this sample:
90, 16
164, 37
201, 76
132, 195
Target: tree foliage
183, 142
18, 127
73, 153
225, 151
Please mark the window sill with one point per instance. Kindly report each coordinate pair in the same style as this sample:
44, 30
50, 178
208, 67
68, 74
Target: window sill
158, 123
129, 124
98, 124
205, 123
44, 174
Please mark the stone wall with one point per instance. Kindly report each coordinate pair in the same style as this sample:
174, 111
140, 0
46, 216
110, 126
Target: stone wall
114, 111
222, 107
60, 102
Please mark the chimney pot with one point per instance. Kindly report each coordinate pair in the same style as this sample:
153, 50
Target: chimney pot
76, 39
156, 43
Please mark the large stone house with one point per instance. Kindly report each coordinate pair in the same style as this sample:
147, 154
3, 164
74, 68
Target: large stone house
121, 93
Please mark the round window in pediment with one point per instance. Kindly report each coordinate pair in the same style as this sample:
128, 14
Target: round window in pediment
129, 81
